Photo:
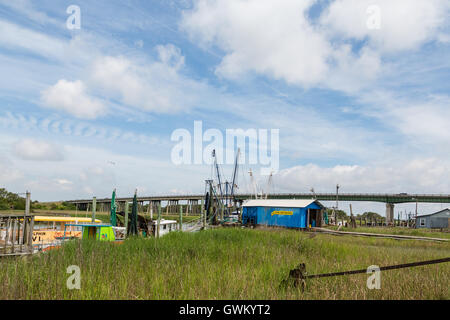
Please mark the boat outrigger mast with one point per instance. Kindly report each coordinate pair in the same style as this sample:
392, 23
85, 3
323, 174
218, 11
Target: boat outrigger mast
224, 202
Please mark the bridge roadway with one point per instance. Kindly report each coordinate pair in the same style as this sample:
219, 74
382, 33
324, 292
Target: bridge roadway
368, 197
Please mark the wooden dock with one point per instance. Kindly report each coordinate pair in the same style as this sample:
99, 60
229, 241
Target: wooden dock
16, 234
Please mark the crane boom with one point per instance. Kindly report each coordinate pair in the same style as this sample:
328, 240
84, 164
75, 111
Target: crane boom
217, 173
235, 171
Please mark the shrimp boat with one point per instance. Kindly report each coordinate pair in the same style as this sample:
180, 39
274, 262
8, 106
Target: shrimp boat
165, 226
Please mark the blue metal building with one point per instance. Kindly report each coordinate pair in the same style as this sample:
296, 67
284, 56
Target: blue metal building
440, 219
283, 213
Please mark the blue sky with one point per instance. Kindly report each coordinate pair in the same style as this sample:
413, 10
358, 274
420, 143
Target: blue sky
84, 111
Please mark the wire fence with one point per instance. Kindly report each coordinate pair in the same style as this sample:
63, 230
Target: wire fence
299, 274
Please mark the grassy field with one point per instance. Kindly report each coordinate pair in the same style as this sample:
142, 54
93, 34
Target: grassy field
228, 263
432, 233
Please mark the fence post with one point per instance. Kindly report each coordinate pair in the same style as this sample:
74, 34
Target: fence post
127, 208
8, 224
94, 208
159, 221
307, 219
203, 214
13, 233
27, 203
30, 232
181, 218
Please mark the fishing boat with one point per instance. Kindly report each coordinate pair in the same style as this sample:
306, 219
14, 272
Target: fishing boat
165, 227
50, 231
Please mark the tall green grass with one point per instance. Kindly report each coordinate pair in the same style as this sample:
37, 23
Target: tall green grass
227, 264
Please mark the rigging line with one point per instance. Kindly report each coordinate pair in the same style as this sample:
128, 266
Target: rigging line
244, 172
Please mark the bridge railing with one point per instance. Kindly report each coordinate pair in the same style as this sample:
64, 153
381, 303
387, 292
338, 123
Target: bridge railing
321, 196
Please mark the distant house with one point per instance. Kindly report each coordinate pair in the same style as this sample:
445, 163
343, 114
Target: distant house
283, 213
438, 219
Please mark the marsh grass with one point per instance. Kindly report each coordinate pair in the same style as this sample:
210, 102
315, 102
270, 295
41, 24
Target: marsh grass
227, 264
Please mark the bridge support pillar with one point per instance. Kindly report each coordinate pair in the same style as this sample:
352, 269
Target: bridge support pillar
389, 213
194, 207
175, 207
151, 204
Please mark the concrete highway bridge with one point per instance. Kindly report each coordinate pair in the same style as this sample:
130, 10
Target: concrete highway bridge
191, 202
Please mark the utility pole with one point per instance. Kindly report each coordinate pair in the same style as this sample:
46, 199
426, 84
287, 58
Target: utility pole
252, 180
337, 203
337, 196
313, 193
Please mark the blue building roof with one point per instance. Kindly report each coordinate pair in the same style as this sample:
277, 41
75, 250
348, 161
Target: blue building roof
281, 203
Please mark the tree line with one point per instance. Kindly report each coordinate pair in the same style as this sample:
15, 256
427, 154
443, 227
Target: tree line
342, 215
11, 201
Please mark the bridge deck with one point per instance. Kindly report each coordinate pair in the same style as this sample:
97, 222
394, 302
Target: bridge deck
369, 197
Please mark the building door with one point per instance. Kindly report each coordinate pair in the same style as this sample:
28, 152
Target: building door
252, 215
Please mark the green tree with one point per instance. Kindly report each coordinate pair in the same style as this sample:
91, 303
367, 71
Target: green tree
371, 215
10, 200
340, 214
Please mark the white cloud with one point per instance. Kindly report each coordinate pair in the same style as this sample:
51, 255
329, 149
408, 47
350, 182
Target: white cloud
155, 86
31, 149
63, 182
444, 38
72, 98
26, 8
411, 176
74, 128
279, 41
16, 37
423, 119
262, 36
354, 72
170, 55
404, 24
8, 173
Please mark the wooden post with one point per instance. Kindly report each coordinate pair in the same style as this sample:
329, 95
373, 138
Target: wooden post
18, 235
203, 213
307, 219
30, 241
319, 219
127, 208
159, 221
94, 208
8, 223
28, 204
181, 218
13, 234
151, 204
